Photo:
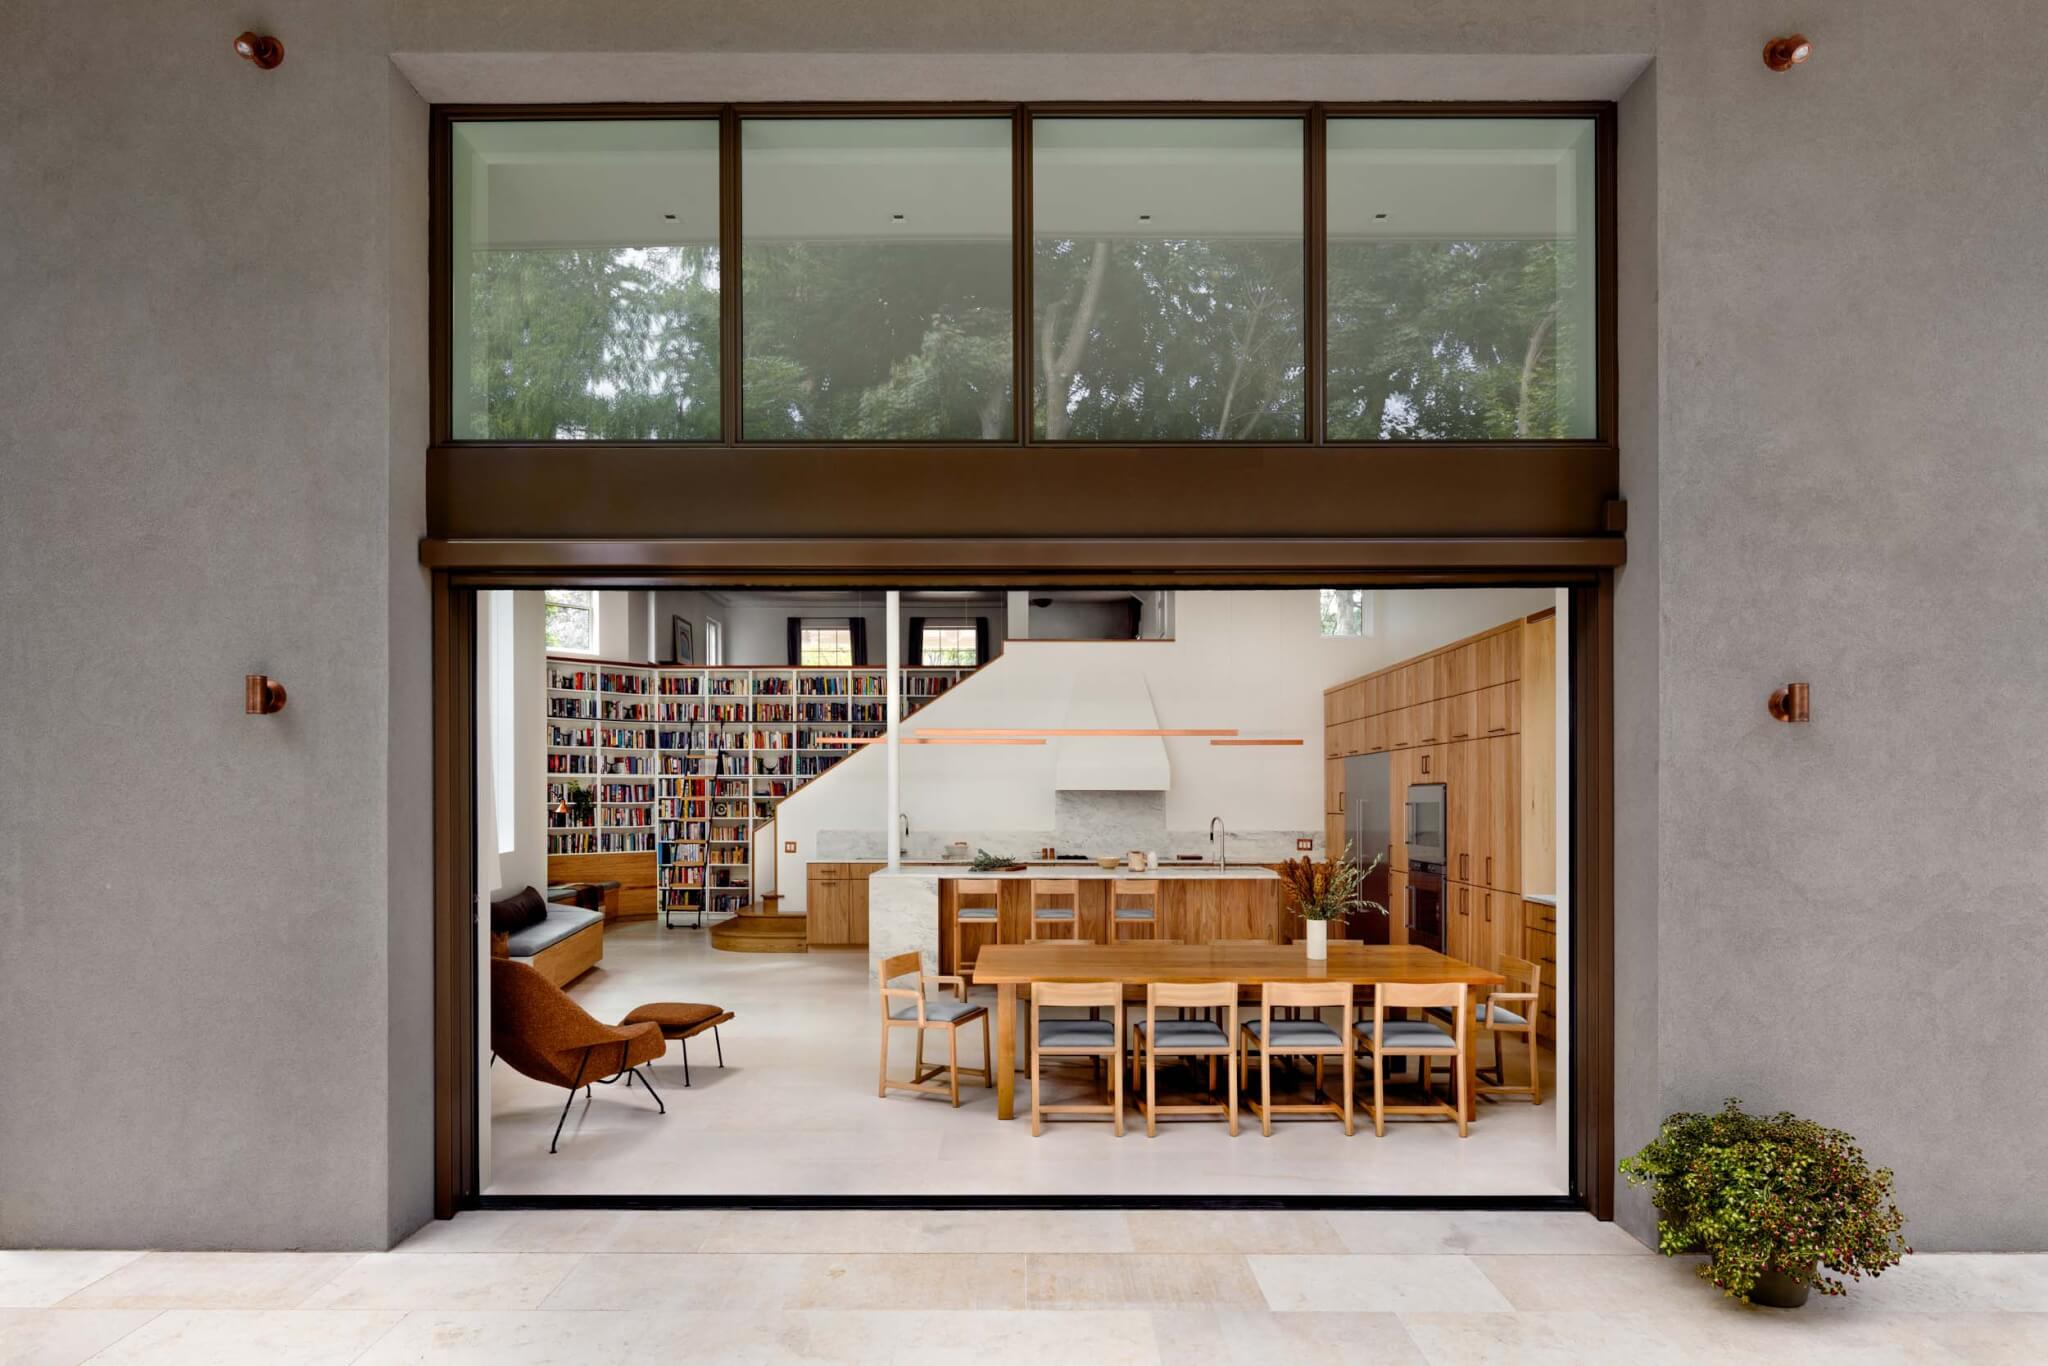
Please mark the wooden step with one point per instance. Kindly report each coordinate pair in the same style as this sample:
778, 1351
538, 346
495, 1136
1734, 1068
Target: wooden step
761, 933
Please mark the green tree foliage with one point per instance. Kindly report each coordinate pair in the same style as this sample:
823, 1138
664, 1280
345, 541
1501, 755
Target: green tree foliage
1135, 340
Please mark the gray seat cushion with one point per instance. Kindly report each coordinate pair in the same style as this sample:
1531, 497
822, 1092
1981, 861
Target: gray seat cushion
1411, 1034
1053, 913
561, 922
1499, 1014
1189, 1034
1298, 1031
1076, 1033
1134, 913
939, 1008
977, 913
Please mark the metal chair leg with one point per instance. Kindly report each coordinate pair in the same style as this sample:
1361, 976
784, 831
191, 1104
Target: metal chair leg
686, 1060
571, 1100
635, 1072
721, 1046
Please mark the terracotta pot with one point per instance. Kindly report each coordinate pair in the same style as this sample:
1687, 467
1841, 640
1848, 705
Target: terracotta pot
1781, 1290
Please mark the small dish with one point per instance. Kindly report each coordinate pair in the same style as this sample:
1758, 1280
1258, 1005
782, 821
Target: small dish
1108, 863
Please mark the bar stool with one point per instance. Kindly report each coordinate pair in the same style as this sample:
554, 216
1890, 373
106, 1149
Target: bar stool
1098, 1040
1196, 1038
1134, 902
1272, 1035
978, 916
1068, 915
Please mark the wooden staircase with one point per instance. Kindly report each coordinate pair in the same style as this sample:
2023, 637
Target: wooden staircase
759, 929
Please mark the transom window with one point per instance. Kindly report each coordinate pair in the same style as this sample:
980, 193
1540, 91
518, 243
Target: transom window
949, 645
1346, 612
1308, 276
572, 620
826, 646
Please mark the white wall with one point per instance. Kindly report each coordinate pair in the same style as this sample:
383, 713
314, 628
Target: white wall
1253, 660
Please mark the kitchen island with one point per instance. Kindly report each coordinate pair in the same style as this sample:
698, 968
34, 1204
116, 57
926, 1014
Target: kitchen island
911, 907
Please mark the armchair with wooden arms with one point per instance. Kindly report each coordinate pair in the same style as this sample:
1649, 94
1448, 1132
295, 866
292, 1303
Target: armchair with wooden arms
1511, 1012
541, 1033
909, 1008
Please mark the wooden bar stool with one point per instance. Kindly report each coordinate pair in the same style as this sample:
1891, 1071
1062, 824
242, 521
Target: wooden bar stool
914, 1010
1511, 1012
981, 917
1273, 1036
1188, 1038
1055, 888
1423, 1039
1096, 1039
1134, 902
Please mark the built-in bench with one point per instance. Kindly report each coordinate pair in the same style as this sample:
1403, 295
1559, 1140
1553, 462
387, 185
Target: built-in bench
564, 946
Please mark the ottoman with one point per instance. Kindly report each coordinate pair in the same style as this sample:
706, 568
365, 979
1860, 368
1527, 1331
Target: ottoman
682, 1021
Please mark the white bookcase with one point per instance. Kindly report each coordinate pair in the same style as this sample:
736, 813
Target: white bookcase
687, 763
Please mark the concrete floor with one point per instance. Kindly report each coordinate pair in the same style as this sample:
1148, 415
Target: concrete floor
795, 1111
907, 1287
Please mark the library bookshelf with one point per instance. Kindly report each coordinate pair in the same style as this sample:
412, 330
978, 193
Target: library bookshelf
686, 763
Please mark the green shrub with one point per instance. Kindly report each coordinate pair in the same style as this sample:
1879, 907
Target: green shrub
1769, 1193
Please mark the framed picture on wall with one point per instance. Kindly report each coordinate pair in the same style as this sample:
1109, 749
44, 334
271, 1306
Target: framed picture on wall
682, 643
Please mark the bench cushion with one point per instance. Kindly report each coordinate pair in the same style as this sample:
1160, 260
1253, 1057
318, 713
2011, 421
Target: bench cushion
561, 922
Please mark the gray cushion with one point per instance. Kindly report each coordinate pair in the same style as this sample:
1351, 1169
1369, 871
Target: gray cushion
1499, 1014
938, 1008
1076, 1033
1411, 1034
1188, 1033
1298, 1031
977, 913
1053, 913
561, 922
1134, 913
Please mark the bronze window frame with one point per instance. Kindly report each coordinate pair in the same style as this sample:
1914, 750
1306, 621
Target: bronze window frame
1313, 115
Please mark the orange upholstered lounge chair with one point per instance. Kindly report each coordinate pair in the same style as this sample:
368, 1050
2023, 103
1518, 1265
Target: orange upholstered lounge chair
543, 1034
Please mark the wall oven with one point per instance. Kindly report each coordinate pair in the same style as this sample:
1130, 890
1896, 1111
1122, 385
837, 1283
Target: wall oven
1426, 824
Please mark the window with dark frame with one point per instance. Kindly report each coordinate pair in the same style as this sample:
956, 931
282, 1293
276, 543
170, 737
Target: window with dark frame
949, 644
825, 646
1436, 278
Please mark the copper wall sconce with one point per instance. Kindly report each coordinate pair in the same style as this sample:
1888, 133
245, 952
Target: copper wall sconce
1782, 54
262, 695
261, 49
1793, 702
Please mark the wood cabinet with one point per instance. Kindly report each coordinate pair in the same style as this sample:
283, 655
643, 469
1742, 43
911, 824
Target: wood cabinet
1397, 904
1539, 938
1499, 840
1461, 923
1333, 787
836, 904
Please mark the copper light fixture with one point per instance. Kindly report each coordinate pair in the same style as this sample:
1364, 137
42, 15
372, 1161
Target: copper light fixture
1782, 54
1793, 702
261, 49
261, 695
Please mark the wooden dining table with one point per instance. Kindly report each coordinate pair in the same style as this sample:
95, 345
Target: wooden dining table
1138, 963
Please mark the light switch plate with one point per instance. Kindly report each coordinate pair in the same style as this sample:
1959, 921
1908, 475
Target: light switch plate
1303, 846
789, 846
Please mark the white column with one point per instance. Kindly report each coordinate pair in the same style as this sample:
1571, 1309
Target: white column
893, 634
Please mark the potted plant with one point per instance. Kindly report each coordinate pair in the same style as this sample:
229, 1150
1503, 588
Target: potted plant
1327, 891
1774, 1201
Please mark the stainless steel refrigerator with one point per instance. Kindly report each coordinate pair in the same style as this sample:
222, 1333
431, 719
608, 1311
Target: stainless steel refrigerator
1369, 826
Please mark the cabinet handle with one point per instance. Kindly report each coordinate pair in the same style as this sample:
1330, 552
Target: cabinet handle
1496, 730
1489, 908
1464, 867
1489, 870
1425, 763
1411, 907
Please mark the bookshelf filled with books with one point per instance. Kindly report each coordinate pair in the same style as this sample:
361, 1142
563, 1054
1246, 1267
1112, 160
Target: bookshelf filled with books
688, 763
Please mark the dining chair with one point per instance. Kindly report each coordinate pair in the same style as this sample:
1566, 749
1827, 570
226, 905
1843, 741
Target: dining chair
1383, 1038
1134, 902
1511, 1012
1054, 889
915, 1010
980, 916
1312, 1037
1098, 1040
1187, 1038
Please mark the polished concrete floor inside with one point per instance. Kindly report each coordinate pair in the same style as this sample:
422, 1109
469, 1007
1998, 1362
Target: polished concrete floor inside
794, 1111
909, 1287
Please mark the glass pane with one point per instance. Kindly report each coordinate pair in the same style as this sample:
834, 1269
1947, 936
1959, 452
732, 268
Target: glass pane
949, 645
570, 616
1461, 278
1344, 612
586, 281
1167, 279
875, 279
825, 646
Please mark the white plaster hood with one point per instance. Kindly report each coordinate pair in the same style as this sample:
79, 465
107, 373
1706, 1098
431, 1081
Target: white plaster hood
1116, 700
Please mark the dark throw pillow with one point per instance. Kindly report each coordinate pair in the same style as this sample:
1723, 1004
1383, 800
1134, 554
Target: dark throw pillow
518, 911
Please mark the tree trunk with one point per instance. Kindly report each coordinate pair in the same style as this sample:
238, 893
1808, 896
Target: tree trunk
1059, 370
1530, 356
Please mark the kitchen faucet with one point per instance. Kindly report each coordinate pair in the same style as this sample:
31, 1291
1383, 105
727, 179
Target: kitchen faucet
903, 846
1215, 824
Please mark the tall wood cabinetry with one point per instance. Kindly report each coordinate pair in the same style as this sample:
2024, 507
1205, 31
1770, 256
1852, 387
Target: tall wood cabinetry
1478, 717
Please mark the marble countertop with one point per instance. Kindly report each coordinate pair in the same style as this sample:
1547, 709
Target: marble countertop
1542, 898
1185, 872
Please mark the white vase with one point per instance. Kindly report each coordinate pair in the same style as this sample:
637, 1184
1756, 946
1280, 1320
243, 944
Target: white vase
1318, 939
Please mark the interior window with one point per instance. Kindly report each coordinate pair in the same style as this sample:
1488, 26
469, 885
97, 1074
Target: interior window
572, 620
826, 646
952, 644
1346, 612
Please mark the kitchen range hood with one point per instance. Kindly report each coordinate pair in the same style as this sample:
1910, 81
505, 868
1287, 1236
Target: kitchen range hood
1110, 763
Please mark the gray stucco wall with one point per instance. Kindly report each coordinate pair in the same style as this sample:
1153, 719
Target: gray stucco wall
1835, 463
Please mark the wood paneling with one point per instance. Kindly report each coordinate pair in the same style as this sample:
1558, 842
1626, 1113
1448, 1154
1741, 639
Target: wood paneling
1536, 695
837, 903
634, 873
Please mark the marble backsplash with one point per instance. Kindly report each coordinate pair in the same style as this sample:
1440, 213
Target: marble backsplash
1089, 823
